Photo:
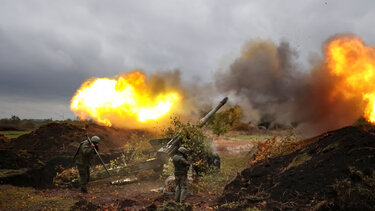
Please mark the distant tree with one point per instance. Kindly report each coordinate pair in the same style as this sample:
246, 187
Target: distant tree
233, 114
15, 119
219, 124
222, 121
27, 125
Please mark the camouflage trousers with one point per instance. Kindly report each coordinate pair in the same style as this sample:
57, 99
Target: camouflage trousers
84, 176
181, 187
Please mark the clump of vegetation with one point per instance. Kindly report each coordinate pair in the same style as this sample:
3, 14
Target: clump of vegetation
363, 124
273, 147
298, 160
233, 115
168, 170
222, 121
138, 149
356, 192
67, 178
219, 124
194, 140
225, 120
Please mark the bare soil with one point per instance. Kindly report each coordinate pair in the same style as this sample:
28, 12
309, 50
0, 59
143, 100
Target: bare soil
306, 178
52, 147
143, 195
302, 180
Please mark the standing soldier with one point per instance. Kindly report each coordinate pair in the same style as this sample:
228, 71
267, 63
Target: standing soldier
82, 159
181, 167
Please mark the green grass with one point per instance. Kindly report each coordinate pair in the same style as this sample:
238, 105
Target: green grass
330, 147
231, 164
244, 137
13, 133
298, 160
255, 138
22, 198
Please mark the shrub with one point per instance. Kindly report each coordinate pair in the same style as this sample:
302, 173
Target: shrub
356, 192
219, 124
273, 147
194, 140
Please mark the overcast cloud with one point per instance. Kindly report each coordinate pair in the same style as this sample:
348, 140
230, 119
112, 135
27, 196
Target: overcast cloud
48, 48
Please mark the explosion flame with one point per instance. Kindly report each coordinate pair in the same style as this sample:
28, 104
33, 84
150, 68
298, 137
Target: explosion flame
125, 97
353, 63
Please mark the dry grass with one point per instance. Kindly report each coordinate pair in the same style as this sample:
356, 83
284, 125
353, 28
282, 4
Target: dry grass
214, 182
13, 133
22, 198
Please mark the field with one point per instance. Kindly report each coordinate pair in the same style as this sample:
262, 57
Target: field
13, 133
260, 170
234, 158
22, 198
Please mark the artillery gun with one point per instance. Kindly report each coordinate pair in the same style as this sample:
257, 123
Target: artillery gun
167, 147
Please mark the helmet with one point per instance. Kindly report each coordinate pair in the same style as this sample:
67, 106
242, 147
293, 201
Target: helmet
95, 139
183, 150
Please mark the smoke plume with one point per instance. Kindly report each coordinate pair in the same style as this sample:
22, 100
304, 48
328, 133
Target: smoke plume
263, 78
267, 79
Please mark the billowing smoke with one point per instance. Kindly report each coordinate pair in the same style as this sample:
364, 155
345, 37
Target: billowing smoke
263, 78
266, 78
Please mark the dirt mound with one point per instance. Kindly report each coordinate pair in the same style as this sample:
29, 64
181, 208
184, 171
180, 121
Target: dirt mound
56, 139
171, 205
115, 205
49, 138
7, 128
3, 141
335, 172
54, 145
84, 205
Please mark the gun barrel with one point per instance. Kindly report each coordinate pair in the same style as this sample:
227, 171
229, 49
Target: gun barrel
205, 119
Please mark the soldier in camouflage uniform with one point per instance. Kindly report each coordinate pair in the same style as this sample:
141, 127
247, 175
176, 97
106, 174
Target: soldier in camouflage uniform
181, 167
82, 159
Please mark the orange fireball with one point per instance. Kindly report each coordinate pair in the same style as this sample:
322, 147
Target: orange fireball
353, 64
124, 97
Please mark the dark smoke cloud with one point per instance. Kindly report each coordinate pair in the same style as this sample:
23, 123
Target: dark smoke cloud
264, 74
266, 77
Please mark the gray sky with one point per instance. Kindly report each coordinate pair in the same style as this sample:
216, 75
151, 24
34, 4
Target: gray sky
48, 48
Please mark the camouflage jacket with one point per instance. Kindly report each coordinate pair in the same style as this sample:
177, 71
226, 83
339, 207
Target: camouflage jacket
181, 165
84, 153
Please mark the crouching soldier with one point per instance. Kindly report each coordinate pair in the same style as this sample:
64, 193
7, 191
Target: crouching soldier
181, 167
82, 159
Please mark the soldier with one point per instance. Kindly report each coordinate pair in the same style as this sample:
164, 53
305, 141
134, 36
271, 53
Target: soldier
181, 167
82, 159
